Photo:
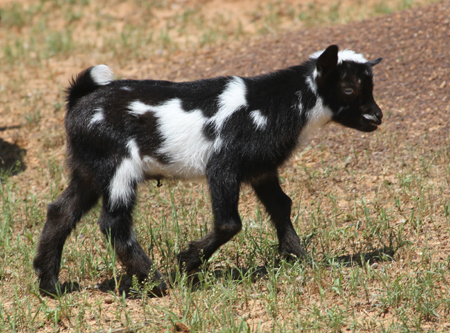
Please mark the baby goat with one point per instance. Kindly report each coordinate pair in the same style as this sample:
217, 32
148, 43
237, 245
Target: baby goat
231, 130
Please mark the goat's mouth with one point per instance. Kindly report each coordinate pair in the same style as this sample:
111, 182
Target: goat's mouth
372, 119
371, 122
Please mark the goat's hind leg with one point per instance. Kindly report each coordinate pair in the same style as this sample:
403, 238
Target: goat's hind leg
62, 216
278, 205
116, 223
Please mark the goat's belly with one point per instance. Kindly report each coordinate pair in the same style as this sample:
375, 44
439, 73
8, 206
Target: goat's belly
185, 170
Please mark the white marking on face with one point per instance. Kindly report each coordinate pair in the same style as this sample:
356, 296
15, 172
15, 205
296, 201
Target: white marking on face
187, 149
129, 172
97, 117
126, 88
370, 117
102, 75
259, 119
317, 117
345, 55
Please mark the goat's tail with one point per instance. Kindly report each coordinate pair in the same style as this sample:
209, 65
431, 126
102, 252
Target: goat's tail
86, 82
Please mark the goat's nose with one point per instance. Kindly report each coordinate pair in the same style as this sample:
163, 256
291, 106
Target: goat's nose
377, 112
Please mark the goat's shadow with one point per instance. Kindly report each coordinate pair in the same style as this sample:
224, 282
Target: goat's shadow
11, 156
197, 281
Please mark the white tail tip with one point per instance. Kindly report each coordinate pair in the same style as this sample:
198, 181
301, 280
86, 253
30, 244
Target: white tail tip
102, 75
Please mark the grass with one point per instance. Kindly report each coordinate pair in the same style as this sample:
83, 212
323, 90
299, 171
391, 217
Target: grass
332, 295
377, 236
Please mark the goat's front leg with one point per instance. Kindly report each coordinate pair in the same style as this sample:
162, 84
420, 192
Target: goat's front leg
224, 188
278, 205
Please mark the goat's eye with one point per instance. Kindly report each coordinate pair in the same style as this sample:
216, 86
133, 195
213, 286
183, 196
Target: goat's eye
348, 91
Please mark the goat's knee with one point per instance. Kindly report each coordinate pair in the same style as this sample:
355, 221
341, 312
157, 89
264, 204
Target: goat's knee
228, 230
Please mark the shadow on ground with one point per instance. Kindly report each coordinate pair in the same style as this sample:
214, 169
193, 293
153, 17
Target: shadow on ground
196, 281
11, 157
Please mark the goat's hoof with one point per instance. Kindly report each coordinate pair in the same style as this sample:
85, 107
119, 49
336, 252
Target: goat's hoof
58, 289
159, 287
160, 290
291, 256
188, 261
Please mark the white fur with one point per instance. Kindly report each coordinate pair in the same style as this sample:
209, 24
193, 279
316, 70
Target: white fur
259, 119
183, 141
129, 171
300, 104
345, 55
102, 75
126, 88
230, 100
317, 117
97, 117
349, 55
137, 108
370, 117
311, 82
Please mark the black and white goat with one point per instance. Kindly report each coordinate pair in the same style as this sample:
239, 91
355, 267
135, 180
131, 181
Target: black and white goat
228, 129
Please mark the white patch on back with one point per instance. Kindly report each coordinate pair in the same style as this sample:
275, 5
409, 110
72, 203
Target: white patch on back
345, 55
102, 75
97, 117
183, 141
318, 116
129, 172
259, 119
230, 100
137, 108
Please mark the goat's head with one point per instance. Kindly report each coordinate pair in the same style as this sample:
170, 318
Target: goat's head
345, 83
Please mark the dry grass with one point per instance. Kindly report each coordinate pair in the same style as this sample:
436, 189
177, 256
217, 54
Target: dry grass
372, 209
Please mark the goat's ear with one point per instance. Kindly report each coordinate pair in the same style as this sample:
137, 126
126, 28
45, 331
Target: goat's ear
374, 62
328, 60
